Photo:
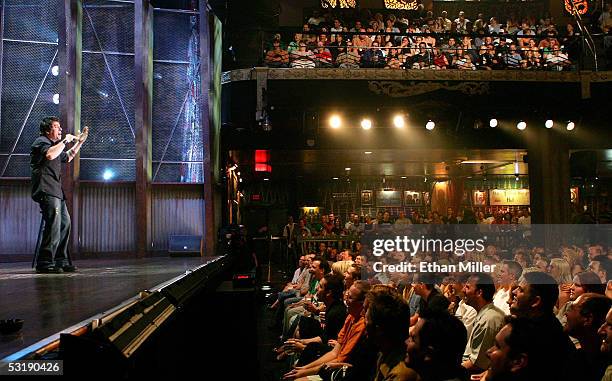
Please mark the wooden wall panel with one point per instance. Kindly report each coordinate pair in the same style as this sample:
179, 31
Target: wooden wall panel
19, 220
108, 218
176, 211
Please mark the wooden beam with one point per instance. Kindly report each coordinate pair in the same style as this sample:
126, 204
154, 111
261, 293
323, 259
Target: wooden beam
143, 68
69, 62
205, 78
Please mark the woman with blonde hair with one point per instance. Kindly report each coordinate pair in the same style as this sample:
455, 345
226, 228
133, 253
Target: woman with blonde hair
560, 270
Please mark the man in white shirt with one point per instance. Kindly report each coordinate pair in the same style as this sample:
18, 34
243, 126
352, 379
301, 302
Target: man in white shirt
478, 292
508, 275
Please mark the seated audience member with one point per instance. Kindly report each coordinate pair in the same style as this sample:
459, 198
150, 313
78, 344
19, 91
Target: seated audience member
584, 318
478, 291
431, 299
373, 57
330, 292
602, 266
583, 282
535, 298
349, 336
323, 55
277, 57
435, 346
318, 269
350, 58
302, 58
508, 275
386, 321
518, 353
605, 332
295, 44
458, 307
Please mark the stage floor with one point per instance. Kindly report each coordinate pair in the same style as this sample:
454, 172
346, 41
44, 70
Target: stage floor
50, 303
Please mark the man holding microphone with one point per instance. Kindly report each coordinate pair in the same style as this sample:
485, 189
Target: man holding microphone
46, 158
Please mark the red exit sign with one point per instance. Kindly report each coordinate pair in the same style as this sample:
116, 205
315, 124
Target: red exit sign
256, 197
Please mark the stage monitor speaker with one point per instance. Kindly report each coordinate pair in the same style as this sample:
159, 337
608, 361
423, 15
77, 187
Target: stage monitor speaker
185, 245
583, 164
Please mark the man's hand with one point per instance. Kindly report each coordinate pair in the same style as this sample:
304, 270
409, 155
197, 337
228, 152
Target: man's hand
296, 372
83, 135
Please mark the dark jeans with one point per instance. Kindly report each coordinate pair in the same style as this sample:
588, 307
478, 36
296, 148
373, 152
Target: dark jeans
54, 243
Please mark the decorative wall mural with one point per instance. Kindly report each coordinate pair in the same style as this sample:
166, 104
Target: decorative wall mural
397, 89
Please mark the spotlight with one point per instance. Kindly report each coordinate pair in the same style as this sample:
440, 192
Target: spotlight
108, 174
335, 178
55, 70
521, 125
570, 125
398, 121
335, 121
516, 177
493, 123
368, 152
430, 125
56, 98
403, 177
549, 123
347, 168
266, 179
366, 124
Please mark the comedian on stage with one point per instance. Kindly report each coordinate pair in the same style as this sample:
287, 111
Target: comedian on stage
46, 158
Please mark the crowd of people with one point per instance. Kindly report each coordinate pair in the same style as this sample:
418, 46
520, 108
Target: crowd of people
537, 315
397, 42
423, 40
330, 225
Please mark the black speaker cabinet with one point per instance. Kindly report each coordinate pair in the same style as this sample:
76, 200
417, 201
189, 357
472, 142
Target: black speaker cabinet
185, 245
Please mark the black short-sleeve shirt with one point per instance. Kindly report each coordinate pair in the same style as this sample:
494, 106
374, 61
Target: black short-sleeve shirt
46, 174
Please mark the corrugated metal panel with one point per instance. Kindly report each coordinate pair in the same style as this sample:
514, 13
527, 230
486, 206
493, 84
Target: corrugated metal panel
19, 220
107, 218
176, 211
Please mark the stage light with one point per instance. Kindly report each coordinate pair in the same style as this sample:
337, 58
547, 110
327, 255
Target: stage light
108, 174
493, 123
521, 125
516, 177
570, 125
549, 123
55, 70
347, 168
430, 125
403, 177
366, 124
335, 178
398, 121
368, 152
266, 179
56, 98
335, 121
